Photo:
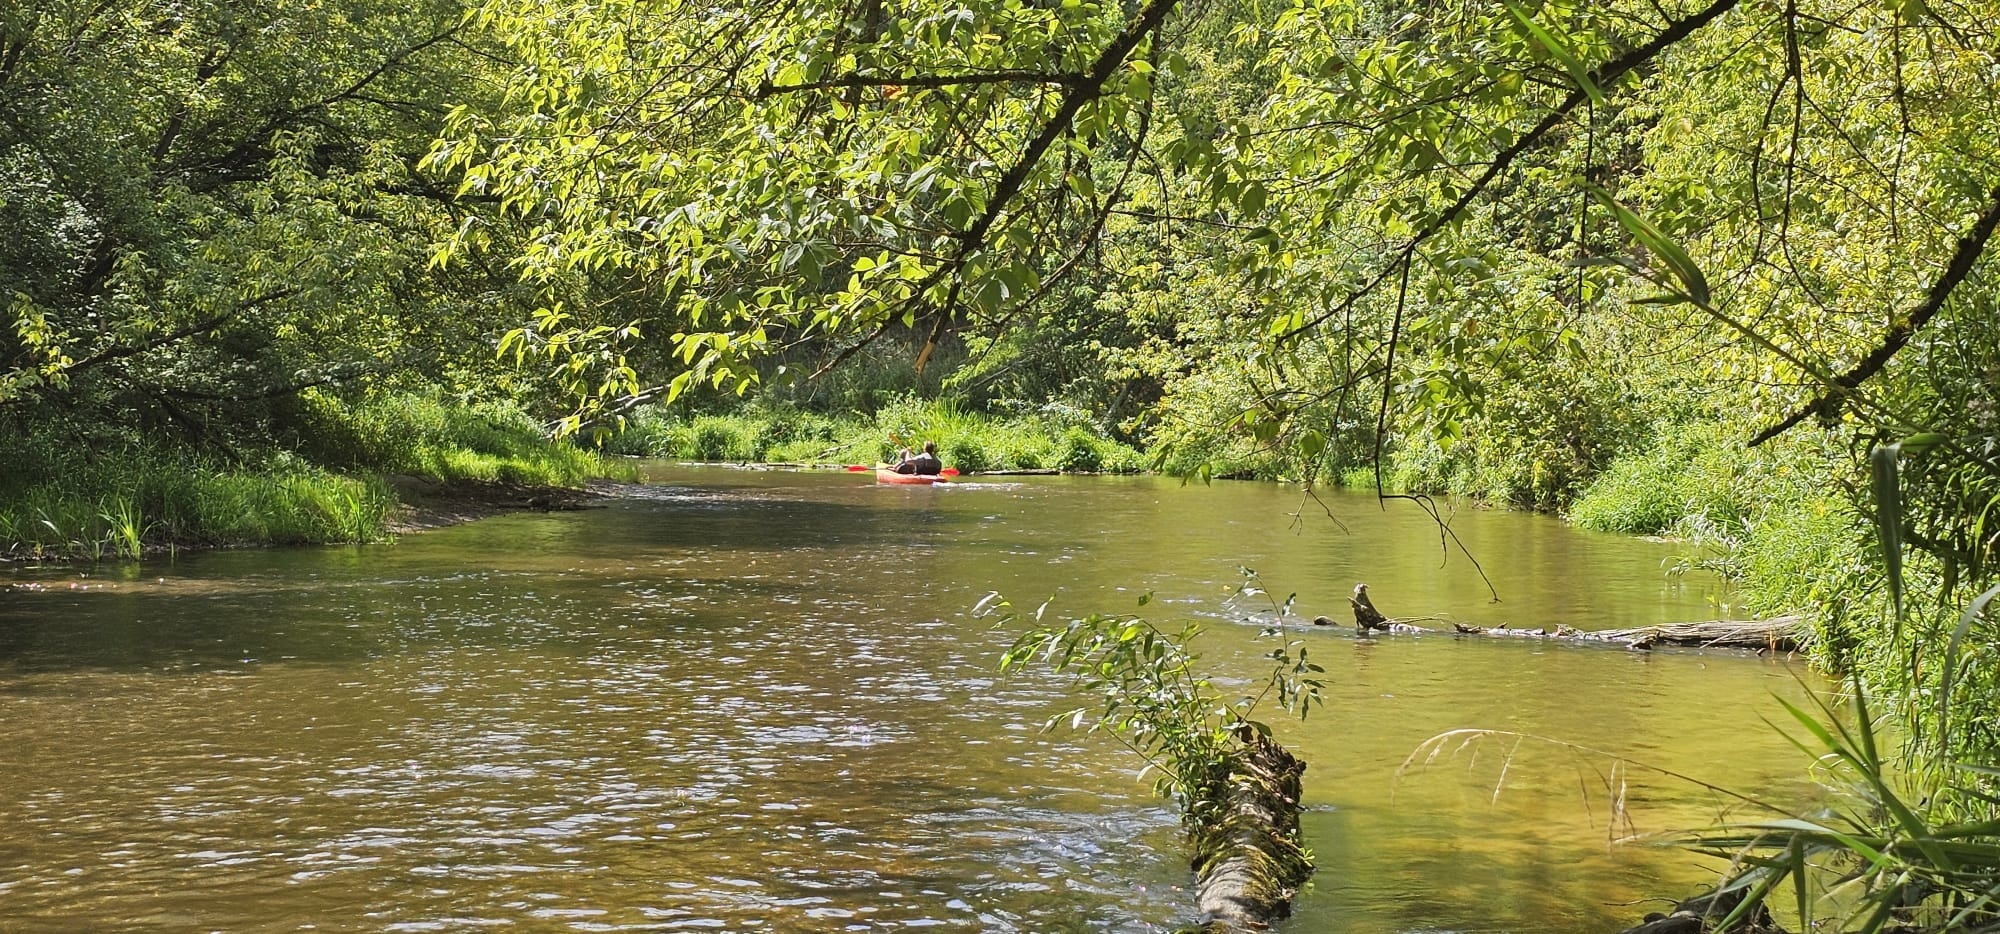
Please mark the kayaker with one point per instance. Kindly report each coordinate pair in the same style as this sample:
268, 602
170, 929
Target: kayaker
923, 465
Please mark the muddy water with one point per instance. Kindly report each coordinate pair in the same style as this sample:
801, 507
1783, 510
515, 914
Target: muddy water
759, 701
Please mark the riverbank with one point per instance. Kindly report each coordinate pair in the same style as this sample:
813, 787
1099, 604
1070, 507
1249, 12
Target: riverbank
1048, 438
416, 505
359, 472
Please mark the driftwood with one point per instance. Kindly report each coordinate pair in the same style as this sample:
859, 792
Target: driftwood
1247, 859
1777, 634
1366, 617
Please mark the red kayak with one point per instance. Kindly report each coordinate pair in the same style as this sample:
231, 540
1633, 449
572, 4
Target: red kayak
889, 475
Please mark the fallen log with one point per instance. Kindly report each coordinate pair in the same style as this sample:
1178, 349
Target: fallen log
1366, 616
1777, 634
1248, 862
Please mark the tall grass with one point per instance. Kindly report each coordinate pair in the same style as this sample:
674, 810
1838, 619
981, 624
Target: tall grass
431, 436
1898, 849
1043, 437
121, 509
121, 497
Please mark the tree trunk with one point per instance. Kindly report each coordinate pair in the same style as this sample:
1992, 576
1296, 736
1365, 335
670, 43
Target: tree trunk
1247, 859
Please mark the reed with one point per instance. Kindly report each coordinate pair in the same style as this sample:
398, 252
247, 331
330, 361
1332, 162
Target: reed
124, 530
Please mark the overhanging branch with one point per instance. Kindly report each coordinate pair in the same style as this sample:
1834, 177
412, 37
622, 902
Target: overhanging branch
856, 81
1603, 76
1970, 248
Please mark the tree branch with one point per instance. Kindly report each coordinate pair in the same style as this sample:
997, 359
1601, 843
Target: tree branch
855, 81
206, 324
1602, 76
1970, 248
1077, 95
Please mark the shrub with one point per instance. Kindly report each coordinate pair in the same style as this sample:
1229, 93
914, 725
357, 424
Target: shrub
1027, 454
1076, 452
721, 438
968, 455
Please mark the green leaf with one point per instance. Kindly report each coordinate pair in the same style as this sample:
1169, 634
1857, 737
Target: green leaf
1974, 612
1252, 198
1884, 485
1557, 48
1693, 284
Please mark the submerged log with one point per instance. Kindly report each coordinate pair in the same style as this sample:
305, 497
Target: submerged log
1777, 634
1247, 859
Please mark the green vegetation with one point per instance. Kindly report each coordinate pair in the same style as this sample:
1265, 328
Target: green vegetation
1052, 437
114, 496
1156, 702
118, 506
1237, 791
1886, 857
1706, 269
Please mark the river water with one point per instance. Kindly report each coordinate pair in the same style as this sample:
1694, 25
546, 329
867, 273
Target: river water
742, 700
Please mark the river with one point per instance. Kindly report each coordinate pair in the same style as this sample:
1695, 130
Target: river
759, 700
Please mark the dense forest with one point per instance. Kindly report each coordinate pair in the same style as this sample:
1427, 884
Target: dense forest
1712, 270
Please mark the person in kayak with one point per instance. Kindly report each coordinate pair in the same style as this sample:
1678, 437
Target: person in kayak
923, 465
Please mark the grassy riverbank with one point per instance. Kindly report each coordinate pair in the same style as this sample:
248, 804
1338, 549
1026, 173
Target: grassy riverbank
1046, 437
322, 479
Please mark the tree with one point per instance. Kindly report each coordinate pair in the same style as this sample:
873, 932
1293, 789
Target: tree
729, 182
206, 208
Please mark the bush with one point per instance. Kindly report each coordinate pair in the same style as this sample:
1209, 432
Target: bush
1076, 452
1690, 473
968, 455
1026, 454
721, 438
785, 427
1121, 458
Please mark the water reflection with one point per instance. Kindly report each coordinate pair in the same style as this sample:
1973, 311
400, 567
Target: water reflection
758, 702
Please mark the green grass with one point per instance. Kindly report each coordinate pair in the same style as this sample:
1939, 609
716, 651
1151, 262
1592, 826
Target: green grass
121, 498
440, 439
971, 441
121, 509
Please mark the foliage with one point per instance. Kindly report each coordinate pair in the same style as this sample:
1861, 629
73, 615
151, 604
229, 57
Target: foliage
1896, 852
123, 507
748, 176
205, 208
968, 440
426, 435
1153, 699
117, 494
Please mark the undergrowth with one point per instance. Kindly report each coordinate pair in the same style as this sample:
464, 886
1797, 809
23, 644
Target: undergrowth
1028, 438
121, 497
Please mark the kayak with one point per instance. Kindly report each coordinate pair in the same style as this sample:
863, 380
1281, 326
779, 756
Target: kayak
889, 475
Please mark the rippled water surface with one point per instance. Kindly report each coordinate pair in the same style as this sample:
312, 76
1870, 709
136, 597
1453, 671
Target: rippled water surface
759, 701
